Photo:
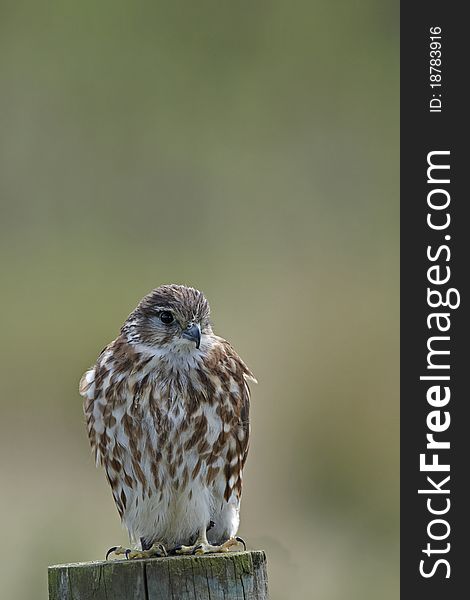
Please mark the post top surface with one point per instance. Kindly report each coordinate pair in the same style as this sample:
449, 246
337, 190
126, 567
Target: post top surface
259, 554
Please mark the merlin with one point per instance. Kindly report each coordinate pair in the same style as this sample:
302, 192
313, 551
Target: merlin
167, 412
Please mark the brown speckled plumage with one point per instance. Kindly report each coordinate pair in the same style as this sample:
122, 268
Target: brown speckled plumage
169, 421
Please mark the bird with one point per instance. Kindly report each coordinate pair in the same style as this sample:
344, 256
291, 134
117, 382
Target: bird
167, 413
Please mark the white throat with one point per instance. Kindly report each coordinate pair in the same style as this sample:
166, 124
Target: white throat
180, 355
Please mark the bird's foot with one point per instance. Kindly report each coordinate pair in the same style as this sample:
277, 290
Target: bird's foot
156, 550
203, 547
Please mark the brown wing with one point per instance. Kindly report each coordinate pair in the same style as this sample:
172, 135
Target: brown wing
236, 375
103, 389
97, 409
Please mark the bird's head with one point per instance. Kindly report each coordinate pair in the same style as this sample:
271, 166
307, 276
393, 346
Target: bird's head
172, 317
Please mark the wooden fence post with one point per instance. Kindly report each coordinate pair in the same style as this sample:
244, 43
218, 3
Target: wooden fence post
233, 575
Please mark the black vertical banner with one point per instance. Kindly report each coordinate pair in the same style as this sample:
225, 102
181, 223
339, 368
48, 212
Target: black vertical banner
435, 355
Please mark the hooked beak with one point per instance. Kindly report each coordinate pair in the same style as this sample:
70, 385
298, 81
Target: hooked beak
193, 333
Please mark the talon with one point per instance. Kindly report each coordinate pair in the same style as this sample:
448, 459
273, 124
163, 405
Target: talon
196, 549
110, 551
162, 549
242, 541
157, 549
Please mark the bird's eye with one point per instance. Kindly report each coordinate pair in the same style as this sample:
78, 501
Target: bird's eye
166, 317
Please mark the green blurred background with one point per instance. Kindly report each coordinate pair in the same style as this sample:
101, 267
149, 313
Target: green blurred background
249, 149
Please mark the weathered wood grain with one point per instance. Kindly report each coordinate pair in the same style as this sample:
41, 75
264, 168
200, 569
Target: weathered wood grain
234, 575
